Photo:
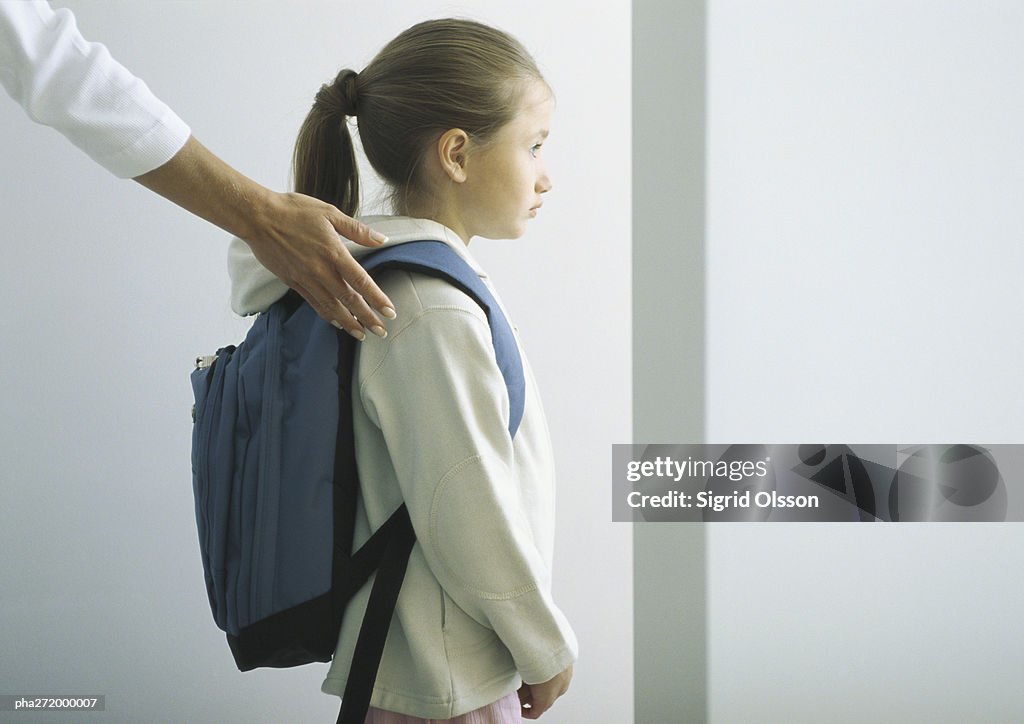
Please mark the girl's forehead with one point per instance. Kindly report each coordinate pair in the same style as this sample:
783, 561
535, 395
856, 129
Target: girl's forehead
535, 93
536, 104
532, 117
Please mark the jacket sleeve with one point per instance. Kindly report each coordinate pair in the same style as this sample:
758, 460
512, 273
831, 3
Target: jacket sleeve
441, 402
76, 87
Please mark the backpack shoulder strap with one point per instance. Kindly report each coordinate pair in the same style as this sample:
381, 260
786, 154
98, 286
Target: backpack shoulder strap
438, 259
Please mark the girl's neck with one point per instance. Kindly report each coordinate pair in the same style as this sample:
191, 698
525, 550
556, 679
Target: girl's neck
439, 212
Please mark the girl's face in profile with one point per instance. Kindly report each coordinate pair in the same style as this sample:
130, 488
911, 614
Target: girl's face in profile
506, 177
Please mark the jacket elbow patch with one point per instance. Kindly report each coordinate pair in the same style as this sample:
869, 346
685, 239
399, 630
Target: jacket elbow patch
479, 532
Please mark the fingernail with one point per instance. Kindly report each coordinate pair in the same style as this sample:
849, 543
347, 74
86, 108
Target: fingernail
379, 330
357, 333
388, 312
377, 236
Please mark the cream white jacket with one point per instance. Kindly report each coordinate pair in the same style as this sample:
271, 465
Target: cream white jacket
475, 615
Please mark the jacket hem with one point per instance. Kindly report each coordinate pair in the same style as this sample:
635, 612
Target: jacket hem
429, 707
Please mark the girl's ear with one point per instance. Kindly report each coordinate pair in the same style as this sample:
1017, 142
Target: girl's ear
452, 148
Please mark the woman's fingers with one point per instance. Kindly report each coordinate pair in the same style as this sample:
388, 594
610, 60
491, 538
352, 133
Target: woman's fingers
302, 248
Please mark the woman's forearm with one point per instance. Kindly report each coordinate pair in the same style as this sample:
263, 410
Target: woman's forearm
294, 236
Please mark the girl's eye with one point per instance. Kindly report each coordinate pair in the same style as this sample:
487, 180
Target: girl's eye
535, 150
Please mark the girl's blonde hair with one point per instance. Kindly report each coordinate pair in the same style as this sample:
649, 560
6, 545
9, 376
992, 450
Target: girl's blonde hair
437, 75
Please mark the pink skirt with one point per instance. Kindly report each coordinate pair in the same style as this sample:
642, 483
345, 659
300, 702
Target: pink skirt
503, 711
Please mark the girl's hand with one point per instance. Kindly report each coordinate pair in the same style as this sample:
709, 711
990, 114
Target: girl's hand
538, 698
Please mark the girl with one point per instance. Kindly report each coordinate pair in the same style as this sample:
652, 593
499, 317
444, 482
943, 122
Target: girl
452, 114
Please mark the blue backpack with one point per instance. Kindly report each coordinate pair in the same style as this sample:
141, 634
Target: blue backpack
275, 481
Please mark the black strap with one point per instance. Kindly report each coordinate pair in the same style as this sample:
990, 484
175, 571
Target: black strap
344, 469
387, 552
379, 610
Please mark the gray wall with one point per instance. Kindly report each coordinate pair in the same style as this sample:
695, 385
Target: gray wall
857, 282
865, 173
111, 292
669, 589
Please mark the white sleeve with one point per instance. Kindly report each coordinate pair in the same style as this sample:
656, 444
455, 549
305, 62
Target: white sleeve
76, 87
442, 405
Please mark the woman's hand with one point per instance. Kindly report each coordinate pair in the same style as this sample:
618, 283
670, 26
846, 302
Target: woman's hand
297, 240
294, 236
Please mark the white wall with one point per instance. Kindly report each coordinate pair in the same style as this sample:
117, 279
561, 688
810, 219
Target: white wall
110, 292
865, 228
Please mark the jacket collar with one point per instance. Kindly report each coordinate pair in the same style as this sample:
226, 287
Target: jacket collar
254, 288
403, 229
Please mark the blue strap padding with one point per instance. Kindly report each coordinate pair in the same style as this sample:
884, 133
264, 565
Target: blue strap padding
437, 258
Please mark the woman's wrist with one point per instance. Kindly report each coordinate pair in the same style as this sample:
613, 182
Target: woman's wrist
198, 181
255, 213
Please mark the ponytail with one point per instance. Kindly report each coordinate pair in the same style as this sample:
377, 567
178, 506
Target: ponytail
325, 160
436, 75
